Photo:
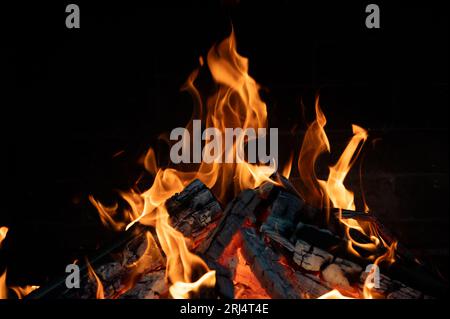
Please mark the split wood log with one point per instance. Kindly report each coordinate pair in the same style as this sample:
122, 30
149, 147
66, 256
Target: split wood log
194, 210
310, 258
151, 286
242, 207
278, 278
266, 266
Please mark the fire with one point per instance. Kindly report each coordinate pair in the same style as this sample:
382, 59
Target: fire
3, 232
334, 294
3, 288
235, 103
332, 192
314, 144
388, 257
20, 291
23, 291
182, 290
100, 294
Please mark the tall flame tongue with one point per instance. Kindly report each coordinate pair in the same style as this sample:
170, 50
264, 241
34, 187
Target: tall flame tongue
314, 144
333, 193
342, 198
234, 104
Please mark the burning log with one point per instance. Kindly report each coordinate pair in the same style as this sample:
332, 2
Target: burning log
275, 275
194, 211
138, 263
242, 207
284, 215
310, 258
266, 266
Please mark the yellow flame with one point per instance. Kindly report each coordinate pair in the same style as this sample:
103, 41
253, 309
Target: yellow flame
3, 232
334, 294
182, 290
235, 104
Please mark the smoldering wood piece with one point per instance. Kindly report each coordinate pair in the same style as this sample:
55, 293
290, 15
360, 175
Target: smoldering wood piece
224, 279
391, 289
404, 292
266, 266
151, 286
310, 258
319, 237
234, 216
279, 279
140, 257
193, 210
57, 288
284, 214
407, 269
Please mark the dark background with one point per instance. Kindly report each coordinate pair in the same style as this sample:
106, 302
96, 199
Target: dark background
75, 98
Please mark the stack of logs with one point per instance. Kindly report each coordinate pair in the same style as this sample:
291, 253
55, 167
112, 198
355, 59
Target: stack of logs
288, 251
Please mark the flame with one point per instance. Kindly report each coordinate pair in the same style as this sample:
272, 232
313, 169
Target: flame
23, 291
235, 104
3, 232
342, 198
286, 172
3, 288
150, 259
100, 294
182, 290
314, 144
334, 294
388, 257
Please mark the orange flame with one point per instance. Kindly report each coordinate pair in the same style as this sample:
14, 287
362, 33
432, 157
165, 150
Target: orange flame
100, 294
235, 104
3, 232
23, 291
314, 144
388, 257
3, 288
